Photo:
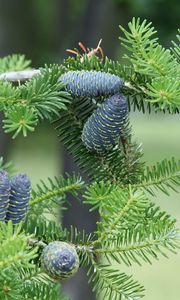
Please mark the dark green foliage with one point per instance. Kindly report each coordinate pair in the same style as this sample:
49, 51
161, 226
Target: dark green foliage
91, 83
37, 99
47, 197
48, 291
60, 260
157, 64
30, 284
4, 193
97, 132
110, 166
44, 230
19, 198
45, 92
106, 125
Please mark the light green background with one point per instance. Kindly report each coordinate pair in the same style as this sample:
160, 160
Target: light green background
39, 156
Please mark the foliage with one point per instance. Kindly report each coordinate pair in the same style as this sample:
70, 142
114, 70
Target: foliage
132, 229
35, 100
153, 61
8, 166
14, 248
14, 62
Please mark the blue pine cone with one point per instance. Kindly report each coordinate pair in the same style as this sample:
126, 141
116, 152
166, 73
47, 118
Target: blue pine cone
60, 260
104, 127
4, 194
91, 83
19, 198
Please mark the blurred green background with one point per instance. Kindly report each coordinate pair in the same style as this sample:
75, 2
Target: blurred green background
42, 30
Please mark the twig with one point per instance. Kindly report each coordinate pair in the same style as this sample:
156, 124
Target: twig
33, 242
138, 89
19, 76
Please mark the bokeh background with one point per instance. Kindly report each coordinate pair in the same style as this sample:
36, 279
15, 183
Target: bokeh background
42, 30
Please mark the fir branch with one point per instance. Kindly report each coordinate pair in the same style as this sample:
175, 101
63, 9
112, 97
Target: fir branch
97, 194
176, 47
122, 208
8, 166
111, 284
13, 62
20, 118
20, 284
147, 56
35, 274
117, 205
45, 92
13, 247
8, 95
43, 292
142, 243
56, 187
134, 85
165, 92
41, 97
9, 285
110, 66
43, 231
82, 240
156, 63
163, 176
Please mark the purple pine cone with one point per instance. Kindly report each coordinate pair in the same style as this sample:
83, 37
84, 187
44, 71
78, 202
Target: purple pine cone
104, 127
4, 193
19, 198
60, 260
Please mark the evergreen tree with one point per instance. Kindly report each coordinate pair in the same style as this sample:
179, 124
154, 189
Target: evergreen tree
87, 100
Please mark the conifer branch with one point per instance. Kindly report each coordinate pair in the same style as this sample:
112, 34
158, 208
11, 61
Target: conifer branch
14, 249
8, 166
24, 75
130, 202
112, 284
58, 187
131, 228
163, 176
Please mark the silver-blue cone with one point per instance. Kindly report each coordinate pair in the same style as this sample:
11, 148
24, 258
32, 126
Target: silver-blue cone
19, 198
91, 83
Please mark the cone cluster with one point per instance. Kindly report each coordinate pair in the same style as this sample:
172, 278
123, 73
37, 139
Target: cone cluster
14, 197
106, 125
